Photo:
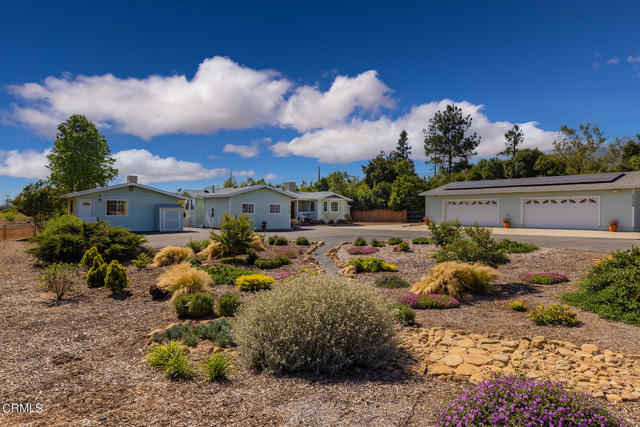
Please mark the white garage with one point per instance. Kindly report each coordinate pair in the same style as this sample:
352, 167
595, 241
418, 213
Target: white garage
170, 218
561, 212
469, 211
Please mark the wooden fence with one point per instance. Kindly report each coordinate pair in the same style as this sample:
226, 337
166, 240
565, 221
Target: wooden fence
379, 215
17, 231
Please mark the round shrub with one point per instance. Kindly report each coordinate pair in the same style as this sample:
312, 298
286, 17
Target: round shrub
371, 265
403, 314
228, 304
302, 241
193, 305
544, 278
553, 315
517, 306
97, 273
401, 247
254, 282
394, 241
362, 250
89, 256
359, 242
391, 281
519, 401
420, 241
116, 279
316, 324
377, 243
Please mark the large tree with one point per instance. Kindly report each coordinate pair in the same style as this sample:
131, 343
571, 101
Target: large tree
403, 149
80, 158
40, 201
405, 193
448, 141
380, 169
577, 149
513, 139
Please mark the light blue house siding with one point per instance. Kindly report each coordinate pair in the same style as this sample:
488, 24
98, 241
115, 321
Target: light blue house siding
142, 206
621, 204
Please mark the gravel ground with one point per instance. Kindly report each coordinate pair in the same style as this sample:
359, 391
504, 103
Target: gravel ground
82, 360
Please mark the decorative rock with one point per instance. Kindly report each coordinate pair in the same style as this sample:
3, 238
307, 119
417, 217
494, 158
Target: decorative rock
589, 348
614, 398
501, 357
348, 271
626, 396
466, 369
466, 343
452, 360
477, 359
439, 369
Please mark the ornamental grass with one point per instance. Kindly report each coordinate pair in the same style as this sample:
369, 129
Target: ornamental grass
455, 278
184, 279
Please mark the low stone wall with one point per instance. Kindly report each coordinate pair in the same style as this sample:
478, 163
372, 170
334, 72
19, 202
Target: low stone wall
311, 260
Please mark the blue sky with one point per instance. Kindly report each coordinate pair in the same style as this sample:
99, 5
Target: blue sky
288, 87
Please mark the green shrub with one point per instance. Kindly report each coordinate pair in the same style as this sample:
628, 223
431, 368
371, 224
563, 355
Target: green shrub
277, 240
252, 257
553, 315
394, 241
89, 255
142, 260
217, 367
377, 243
445, 233
271, 263
254, 282
116, 279
420, 241
391, 281
236, 234
302, 241
193, 305
477, 247
178, 367
225, 274
611, 288
58, 279
517, 306
198, 245
371, 265
97, 273
67, 238
359, 242
228, 304
216, 330
280, 330
158, 357
232, 260
402, 247
193, 261
403, 314
515, 247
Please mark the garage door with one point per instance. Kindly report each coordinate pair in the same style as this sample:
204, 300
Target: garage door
170, 219
562, 212
468, 212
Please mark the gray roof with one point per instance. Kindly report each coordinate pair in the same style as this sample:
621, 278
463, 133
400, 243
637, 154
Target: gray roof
585, 182
115, 187
316, 195
231, 191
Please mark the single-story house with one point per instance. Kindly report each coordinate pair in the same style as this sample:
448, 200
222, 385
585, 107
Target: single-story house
131, 205
570, 202
275, 206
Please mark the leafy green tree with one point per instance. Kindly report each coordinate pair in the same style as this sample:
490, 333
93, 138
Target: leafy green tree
40, 201
549, 165
380, 169
523, 164
403, 149
80, 158
405, 193
485, 169
514, 138
230, 182
448, 141
628, 154
382, 193
577, 149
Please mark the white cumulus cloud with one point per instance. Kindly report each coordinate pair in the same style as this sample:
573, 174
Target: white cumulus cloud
246, 151
24, 164
362, 139
613, 60
270, 176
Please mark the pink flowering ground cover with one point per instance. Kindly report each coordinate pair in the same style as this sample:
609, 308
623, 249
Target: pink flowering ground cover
544, 278
521, 401
429, 301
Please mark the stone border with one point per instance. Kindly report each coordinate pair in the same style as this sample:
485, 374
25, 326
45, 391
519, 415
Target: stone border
311, 260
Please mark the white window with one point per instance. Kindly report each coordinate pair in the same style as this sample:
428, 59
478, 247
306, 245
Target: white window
274, 208
326, 207
116, 208
248, 208
335, 207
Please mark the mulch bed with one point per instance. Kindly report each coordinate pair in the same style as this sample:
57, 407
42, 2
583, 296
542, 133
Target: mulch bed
82, 359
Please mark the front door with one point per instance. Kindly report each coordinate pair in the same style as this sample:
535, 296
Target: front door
85, 209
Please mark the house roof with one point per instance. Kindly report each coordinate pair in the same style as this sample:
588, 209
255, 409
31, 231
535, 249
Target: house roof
115, 187
604, 181
316, 195
231, 191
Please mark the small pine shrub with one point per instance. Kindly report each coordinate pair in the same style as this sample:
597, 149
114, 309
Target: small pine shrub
88, 257
198, 245
142, 260
420, 241
403, 314
391, 281
58, 279
236, 234
553, 315
194, 305
226, 274
228, 304
217, 367
184, 279
377, 243
445, 233
517, 306
359, 242
515, 247
402, 247
454, 278
394, 241
97, 273
278, 241
170, 255
302, 241
264, 263
254, 282
232, 260
371, 265
279, 331
116, 279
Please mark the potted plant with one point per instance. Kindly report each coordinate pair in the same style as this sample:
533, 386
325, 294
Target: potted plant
426, 220
264, 225
507, 222
613, 225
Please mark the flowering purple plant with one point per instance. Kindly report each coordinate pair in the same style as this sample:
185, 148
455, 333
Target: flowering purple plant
544, 278
520, 401
361, 250
288, 253
429, 301
284, 275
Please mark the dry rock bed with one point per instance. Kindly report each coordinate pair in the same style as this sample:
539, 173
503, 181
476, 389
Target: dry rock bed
82, 359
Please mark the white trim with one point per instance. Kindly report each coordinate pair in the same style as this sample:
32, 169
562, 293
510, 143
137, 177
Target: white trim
279, 208
325, 206
106, 202
331, 207
444, 206
115, 187
247, 213
522, 201
162, 217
